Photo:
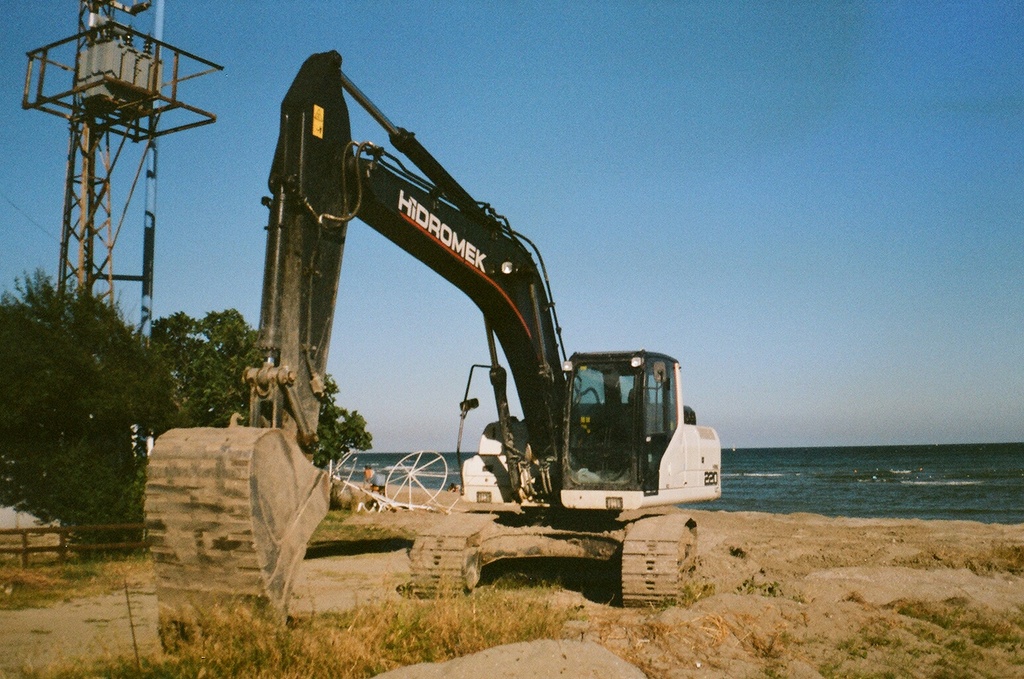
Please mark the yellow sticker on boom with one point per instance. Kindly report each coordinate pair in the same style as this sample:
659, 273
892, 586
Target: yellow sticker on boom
318, 121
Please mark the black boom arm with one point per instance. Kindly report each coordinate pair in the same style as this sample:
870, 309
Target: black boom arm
319, 181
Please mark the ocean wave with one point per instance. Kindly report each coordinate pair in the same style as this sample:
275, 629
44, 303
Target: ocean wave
952, 482
873, 481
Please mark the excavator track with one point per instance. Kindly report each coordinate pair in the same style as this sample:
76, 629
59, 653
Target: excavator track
229, 513
446, 557
451, 555
655, 552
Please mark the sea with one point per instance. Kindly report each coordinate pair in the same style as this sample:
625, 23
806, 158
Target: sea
973, 482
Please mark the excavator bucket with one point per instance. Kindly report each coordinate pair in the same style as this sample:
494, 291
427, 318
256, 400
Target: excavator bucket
229, 513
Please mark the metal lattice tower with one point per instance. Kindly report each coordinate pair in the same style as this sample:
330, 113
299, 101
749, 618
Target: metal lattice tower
113, 85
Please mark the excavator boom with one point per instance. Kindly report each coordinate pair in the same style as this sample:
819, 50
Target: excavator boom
321, 180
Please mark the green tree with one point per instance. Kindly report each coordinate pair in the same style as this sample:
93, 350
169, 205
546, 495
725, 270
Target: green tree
207, 358
80, 393
340, 431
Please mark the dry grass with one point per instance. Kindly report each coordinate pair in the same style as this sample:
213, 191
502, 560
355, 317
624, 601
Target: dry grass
334, 529
46, 584
693, 590
999, 559
948, 638
361, 643
965, 625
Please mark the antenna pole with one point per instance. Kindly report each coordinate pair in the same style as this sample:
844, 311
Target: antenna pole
149, 217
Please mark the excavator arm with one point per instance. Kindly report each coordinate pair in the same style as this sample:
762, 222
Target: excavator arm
303, 256
229, 511
320, 181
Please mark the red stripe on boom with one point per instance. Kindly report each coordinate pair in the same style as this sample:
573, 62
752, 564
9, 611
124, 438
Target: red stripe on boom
471, 268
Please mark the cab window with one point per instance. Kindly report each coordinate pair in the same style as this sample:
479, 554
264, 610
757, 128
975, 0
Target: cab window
601, 423
660, 399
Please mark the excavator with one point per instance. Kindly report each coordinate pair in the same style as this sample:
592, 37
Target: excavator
603, 452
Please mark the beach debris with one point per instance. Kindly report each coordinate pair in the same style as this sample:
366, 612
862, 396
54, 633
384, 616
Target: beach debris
414, 483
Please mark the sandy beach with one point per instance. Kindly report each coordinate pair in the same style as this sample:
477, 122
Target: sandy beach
796, 595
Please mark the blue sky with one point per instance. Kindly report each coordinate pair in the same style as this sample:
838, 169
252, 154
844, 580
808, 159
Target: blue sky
817, 208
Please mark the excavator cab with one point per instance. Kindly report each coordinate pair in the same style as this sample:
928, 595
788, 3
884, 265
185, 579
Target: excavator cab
603, 426
627, 434
622, 413
628, 440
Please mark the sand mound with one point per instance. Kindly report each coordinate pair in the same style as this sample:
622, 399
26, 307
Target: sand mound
538, 659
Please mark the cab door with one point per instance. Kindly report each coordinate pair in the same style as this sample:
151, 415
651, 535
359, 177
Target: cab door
603, 425
659, 420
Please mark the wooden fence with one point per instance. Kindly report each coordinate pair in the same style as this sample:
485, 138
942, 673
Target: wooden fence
63, 545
